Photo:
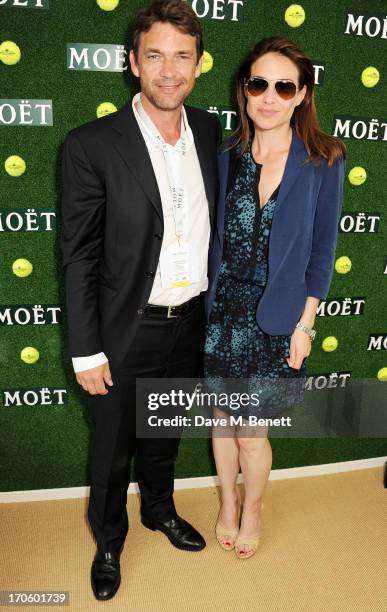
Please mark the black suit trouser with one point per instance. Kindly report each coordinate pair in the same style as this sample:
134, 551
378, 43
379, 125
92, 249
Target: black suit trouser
162, 348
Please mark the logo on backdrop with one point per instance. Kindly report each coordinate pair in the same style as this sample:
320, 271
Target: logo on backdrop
334, 307
371, 26
44, 396
319, 72
21, 220
220, 10
30, 314
359, 223
226, 116
331, 380
94, 57
39, 4
360, 128
25, 112
377, 342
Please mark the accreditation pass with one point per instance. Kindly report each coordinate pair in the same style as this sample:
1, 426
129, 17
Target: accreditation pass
179, 265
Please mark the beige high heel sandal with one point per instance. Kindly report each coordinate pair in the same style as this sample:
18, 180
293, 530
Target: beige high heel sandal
252, 542
241, 543
231, 534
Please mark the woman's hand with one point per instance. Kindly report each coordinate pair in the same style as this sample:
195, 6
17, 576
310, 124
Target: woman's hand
300, 347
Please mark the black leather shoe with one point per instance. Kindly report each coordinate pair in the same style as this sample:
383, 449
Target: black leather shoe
180, 533
105, 574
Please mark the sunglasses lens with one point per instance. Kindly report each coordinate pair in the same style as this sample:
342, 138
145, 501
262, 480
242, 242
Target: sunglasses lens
285, 89
256, 87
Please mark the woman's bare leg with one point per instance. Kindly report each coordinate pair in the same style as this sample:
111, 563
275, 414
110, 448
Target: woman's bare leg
255, 458
226, 452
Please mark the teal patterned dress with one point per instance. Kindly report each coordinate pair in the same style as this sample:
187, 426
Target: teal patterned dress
236, 347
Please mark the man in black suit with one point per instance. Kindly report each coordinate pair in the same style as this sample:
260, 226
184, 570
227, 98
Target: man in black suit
139, 192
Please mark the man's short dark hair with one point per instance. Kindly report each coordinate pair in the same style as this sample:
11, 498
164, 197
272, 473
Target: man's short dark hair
176, 12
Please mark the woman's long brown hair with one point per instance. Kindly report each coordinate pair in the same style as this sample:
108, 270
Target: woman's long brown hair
318, 144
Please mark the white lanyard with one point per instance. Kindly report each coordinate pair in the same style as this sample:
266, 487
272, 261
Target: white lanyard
173, 158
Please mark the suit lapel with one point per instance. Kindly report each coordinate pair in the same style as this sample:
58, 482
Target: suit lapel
206, 163
296, 157
132, 148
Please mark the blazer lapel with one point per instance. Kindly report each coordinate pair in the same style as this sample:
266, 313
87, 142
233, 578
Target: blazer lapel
296, 157
223, 172
132, 148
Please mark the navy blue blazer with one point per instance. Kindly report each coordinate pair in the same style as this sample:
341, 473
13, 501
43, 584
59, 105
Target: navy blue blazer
302, 240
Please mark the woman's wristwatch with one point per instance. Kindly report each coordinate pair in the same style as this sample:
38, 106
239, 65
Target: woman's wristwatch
311, 332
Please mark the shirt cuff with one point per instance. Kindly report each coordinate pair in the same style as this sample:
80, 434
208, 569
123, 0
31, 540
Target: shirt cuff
85, 363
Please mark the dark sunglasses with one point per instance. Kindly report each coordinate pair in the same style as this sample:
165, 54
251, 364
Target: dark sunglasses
256, 86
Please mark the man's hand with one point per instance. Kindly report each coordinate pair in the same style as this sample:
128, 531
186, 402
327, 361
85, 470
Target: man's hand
94, 380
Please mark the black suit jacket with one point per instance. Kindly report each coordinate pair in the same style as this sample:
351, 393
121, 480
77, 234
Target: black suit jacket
112, 226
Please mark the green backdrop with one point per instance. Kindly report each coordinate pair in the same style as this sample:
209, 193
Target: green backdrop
45, 445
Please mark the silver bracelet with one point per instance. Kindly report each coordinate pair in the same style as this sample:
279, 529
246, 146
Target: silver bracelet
311, 332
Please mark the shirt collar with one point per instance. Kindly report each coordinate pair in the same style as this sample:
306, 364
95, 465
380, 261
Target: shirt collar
152, 134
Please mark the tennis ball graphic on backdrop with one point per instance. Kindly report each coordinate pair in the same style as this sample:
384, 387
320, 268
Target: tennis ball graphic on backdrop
105, 108
330, 344
29, 354
382, 374
9, 53
370, 76
343, 265
15, 165
208, 62
22, 267
108, 5
357, 176
294, 15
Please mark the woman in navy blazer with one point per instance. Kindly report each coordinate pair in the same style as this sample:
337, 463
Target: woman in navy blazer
272, 258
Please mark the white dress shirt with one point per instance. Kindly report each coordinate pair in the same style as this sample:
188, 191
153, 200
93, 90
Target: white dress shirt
183, 158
